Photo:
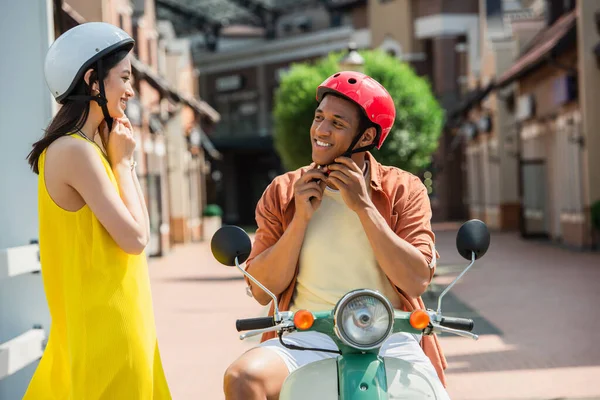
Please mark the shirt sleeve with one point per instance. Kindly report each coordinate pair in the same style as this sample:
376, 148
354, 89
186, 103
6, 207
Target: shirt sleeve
414, 223
269, 222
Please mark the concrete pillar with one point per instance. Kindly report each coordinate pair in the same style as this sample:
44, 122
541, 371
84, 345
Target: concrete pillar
26, 31
445, 71
178, 180
505, 131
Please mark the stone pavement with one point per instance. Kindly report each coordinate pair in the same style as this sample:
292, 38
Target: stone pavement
534, 305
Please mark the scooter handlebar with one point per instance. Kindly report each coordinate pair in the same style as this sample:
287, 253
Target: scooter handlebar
462, 324
249, 324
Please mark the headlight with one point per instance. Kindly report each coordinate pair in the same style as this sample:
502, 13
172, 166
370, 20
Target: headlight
363, 319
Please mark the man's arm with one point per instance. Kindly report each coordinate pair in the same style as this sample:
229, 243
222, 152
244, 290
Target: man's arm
399, 252
274, 253
275, 266
410, 244
392, 252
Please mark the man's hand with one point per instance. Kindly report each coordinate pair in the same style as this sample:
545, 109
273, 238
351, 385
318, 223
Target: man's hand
308, 192
349, 179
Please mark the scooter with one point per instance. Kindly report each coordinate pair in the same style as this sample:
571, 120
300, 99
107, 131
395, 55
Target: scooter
359, 324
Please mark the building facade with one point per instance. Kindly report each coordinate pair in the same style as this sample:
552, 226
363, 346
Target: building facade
545, 135
240, 68
446, 33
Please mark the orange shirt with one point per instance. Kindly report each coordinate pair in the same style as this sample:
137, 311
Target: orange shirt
402, 200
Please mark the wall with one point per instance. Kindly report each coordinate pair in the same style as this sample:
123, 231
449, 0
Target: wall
90, 10
589, 97
507, 139
360, 17
393, 19
22, 298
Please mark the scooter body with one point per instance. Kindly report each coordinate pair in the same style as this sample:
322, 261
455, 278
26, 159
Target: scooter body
392, 379
361, 321
361, 375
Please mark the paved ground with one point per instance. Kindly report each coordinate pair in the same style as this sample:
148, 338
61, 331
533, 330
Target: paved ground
535, 306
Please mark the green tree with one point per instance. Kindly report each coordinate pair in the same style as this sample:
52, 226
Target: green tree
419, 117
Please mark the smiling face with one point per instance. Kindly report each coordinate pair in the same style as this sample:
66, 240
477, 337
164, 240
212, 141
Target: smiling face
118, 88
334, 126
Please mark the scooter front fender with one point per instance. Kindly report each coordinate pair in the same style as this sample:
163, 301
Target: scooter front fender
350, 377
387, 378
408, 381
317, 380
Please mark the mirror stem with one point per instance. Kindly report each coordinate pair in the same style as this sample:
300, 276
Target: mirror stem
439, 309
267, 291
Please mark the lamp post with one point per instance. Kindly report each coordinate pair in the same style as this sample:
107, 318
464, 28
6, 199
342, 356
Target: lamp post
352, 61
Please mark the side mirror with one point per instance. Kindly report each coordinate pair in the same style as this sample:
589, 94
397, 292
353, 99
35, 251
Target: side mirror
230, 242
473, 237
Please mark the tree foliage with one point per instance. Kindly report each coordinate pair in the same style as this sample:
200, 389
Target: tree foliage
419, 117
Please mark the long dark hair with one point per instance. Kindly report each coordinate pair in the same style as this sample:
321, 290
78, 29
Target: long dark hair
73, 114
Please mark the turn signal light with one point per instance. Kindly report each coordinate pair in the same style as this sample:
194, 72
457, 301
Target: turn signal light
303, 319
419, 319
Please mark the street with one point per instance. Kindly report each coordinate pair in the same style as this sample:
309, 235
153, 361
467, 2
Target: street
535, 306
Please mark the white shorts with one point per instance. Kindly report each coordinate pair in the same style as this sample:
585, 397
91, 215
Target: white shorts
402, 345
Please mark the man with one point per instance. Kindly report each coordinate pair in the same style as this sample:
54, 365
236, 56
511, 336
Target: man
345, 222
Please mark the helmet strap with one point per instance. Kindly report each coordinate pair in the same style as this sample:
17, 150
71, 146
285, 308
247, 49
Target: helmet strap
100, 98
351, 150
102, 95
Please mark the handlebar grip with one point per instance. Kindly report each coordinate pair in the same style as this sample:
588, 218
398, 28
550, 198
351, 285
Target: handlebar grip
249, 324
462, 324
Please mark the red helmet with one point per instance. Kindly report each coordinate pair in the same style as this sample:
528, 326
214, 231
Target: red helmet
365, 91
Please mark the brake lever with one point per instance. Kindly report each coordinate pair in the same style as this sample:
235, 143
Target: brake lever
438, 329
284, 325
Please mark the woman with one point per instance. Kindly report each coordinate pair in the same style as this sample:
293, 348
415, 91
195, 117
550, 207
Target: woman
93, 229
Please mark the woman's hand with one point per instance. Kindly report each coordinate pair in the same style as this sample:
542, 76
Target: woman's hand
120, 142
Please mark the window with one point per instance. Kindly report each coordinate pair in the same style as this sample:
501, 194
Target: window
239, 115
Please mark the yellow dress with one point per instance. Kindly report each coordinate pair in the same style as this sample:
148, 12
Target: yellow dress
102, 342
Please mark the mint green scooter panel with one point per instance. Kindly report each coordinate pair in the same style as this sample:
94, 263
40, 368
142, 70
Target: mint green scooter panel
362, 377
408, 381
314, 381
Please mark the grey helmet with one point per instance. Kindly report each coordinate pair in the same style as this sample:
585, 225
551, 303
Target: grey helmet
78, 50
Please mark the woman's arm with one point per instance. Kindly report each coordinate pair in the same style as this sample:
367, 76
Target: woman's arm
142, 201
122, 216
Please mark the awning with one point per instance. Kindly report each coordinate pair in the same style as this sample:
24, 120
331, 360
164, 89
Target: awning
160, 84
155, 80
472, 98
202, 108
542, 44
